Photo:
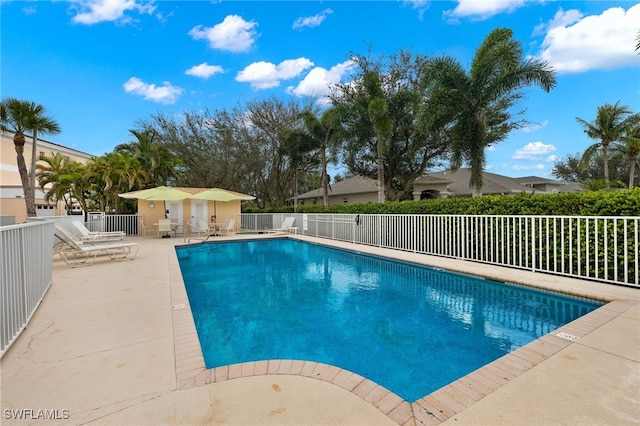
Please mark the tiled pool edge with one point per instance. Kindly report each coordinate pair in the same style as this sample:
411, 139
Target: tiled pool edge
432, 409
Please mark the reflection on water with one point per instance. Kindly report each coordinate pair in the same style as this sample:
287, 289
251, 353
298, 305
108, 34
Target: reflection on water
409, 328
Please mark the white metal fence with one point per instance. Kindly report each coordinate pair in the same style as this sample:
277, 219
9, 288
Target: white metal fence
25, 275
602, 249
132, 224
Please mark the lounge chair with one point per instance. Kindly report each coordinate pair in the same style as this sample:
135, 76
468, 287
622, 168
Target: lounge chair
287, 226
228, 227
88, 236
76, 253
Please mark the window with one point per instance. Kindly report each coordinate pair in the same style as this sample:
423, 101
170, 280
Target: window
345, 200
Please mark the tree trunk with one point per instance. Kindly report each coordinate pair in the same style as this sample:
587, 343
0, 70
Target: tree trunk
323, 178
295, 190
381, 198
632, 173
605, 161
18, 141
32, 171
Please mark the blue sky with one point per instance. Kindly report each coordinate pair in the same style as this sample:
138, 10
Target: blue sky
99, 66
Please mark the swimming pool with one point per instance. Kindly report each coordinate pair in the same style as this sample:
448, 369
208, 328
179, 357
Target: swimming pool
409, 328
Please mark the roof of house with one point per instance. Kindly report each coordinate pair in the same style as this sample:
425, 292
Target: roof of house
459, 182
536, 180
352, 185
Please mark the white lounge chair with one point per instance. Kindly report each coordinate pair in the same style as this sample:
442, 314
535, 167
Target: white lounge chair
228, 227
88, 236
76, 253
287, 226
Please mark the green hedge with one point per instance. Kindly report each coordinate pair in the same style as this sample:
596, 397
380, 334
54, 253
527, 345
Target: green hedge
590, 203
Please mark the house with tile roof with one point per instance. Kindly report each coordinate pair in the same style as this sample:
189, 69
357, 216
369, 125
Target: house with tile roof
447, 183
354, 190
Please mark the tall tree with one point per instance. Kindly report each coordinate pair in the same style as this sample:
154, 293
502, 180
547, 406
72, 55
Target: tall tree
378, 112
629, 147
320, 136
38, 122
610, 121
569, 169
20, 116
474, 107
237, 149
379, 115
203, 147
298, 146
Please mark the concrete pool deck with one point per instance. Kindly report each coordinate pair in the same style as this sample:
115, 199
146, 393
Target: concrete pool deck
113, 344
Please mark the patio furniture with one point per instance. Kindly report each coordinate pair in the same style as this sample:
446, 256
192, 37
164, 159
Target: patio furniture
165, 229
287, 226
76, 253
228, 227
88, 236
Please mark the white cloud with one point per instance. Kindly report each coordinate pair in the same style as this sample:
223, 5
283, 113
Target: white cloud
533, 151
483, 9
574, 43
529, 167
204, 70
311, 21
420, 5
233, 34
165, 94
318, 81
265, 75
95, 11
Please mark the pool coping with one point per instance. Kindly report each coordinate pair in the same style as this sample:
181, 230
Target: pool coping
432, 409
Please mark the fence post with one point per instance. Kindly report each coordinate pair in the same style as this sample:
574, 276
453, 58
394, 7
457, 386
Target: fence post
533, 243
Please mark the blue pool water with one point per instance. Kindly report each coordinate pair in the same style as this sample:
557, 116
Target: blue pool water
408, 328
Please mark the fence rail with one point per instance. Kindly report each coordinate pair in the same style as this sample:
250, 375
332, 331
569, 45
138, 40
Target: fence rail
25, 275
603, 249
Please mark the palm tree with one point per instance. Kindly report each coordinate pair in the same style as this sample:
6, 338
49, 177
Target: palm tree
38, 123
378, 111
472, 108
323, 134
19, 117
111, 174
629, 146
607, 127
154, 157
52, 172
297, 144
